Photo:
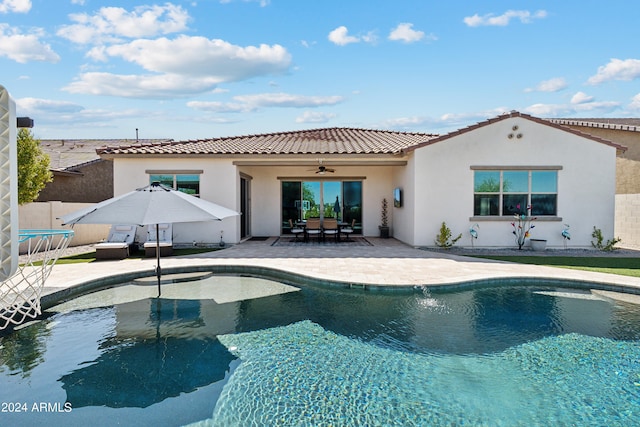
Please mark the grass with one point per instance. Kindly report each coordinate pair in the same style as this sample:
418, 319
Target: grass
91, 256
613, 265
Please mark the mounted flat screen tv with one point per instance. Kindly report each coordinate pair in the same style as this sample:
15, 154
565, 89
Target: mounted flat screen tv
397, 198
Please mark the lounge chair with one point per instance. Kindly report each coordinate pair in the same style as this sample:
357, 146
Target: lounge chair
165, 239
118, 242
347, 230
295, 230
313, 228
330, 228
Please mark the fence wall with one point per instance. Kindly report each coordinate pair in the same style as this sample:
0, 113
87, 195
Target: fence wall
627, 225
42, 215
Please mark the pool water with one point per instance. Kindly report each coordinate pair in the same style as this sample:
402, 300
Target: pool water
240, 351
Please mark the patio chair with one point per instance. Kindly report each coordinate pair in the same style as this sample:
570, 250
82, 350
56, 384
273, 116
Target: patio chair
330, 228
165, 238
313, 228
347, 230
118, 242
295, 230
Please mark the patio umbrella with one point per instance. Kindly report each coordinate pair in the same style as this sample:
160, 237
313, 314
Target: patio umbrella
154, 204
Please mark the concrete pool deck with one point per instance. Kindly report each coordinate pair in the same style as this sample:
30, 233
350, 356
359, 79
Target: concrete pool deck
387, 262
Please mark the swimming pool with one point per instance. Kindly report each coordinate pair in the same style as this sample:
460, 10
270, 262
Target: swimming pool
231, 350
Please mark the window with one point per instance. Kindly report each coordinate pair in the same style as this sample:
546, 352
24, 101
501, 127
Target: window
510, 191
324, 198
187, 183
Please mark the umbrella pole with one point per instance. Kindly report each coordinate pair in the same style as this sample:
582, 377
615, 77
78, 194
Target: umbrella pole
158, 271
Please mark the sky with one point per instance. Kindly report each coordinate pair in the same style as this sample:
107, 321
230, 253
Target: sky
213, 68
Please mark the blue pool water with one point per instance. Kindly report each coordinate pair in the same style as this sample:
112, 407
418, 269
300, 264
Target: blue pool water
219, 351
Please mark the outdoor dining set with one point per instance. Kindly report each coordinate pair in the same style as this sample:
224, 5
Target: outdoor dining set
321, 228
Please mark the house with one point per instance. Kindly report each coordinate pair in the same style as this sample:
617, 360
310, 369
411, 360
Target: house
79, 174
624, 131
481, 174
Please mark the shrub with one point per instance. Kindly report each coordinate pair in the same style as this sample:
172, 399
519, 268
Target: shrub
444, 239
609, 246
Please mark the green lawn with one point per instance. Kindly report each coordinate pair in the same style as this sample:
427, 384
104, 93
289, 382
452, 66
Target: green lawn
614, 265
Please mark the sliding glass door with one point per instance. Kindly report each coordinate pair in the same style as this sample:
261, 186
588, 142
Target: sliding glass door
323, 199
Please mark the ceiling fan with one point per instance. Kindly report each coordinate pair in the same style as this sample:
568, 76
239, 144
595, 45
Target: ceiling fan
322, 169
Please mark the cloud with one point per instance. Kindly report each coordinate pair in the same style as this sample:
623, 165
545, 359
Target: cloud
23, 48
405, 33
616, 69
288, 100
220, 107
164, 86
35, 106
635, 102
555, 84
503, 20
581, 98
247, 103
113, 24
180, 67
17, 6
314, 117
445, 121
199, 56
340, 36
560, 110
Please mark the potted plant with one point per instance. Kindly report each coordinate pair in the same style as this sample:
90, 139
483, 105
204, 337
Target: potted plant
384, 220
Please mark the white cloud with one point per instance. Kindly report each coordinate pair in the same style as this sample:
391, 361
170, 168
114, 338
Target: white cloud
220, 107
635, 102
617, 69
503, 20
405, 33
341, 37
217, 60
17, 6
112, 24
314, 117
288, 100
552, 85
162, 86
180, 67
581, 98
560, 110
37, 105
23, 48
247, 103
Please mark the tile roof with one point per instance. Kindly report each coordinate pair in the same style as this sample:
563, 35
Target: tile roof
628, 124
314, 141
618, 147
67, 154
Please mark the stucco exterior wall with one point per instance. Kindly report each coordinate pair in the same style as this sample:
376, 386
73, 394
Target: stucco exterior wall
627, 220
218, 184
628, 163
266, 193
95, 184
444, 183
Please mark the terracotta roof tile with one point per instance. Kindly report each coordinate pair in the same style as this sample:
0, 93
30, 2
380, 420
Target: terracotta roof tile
314, 141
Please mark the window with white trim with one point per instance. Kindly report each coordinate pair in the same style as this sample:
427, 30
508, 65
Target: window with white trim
187, 183
509, 191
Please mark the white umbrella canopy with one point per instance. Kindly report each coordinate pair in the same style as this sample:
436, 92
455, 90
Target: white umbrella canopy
154, 204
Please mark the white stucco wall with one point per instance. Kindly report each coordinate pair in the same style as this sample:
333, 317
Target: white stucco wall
444, 183
266, 193
218, 184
